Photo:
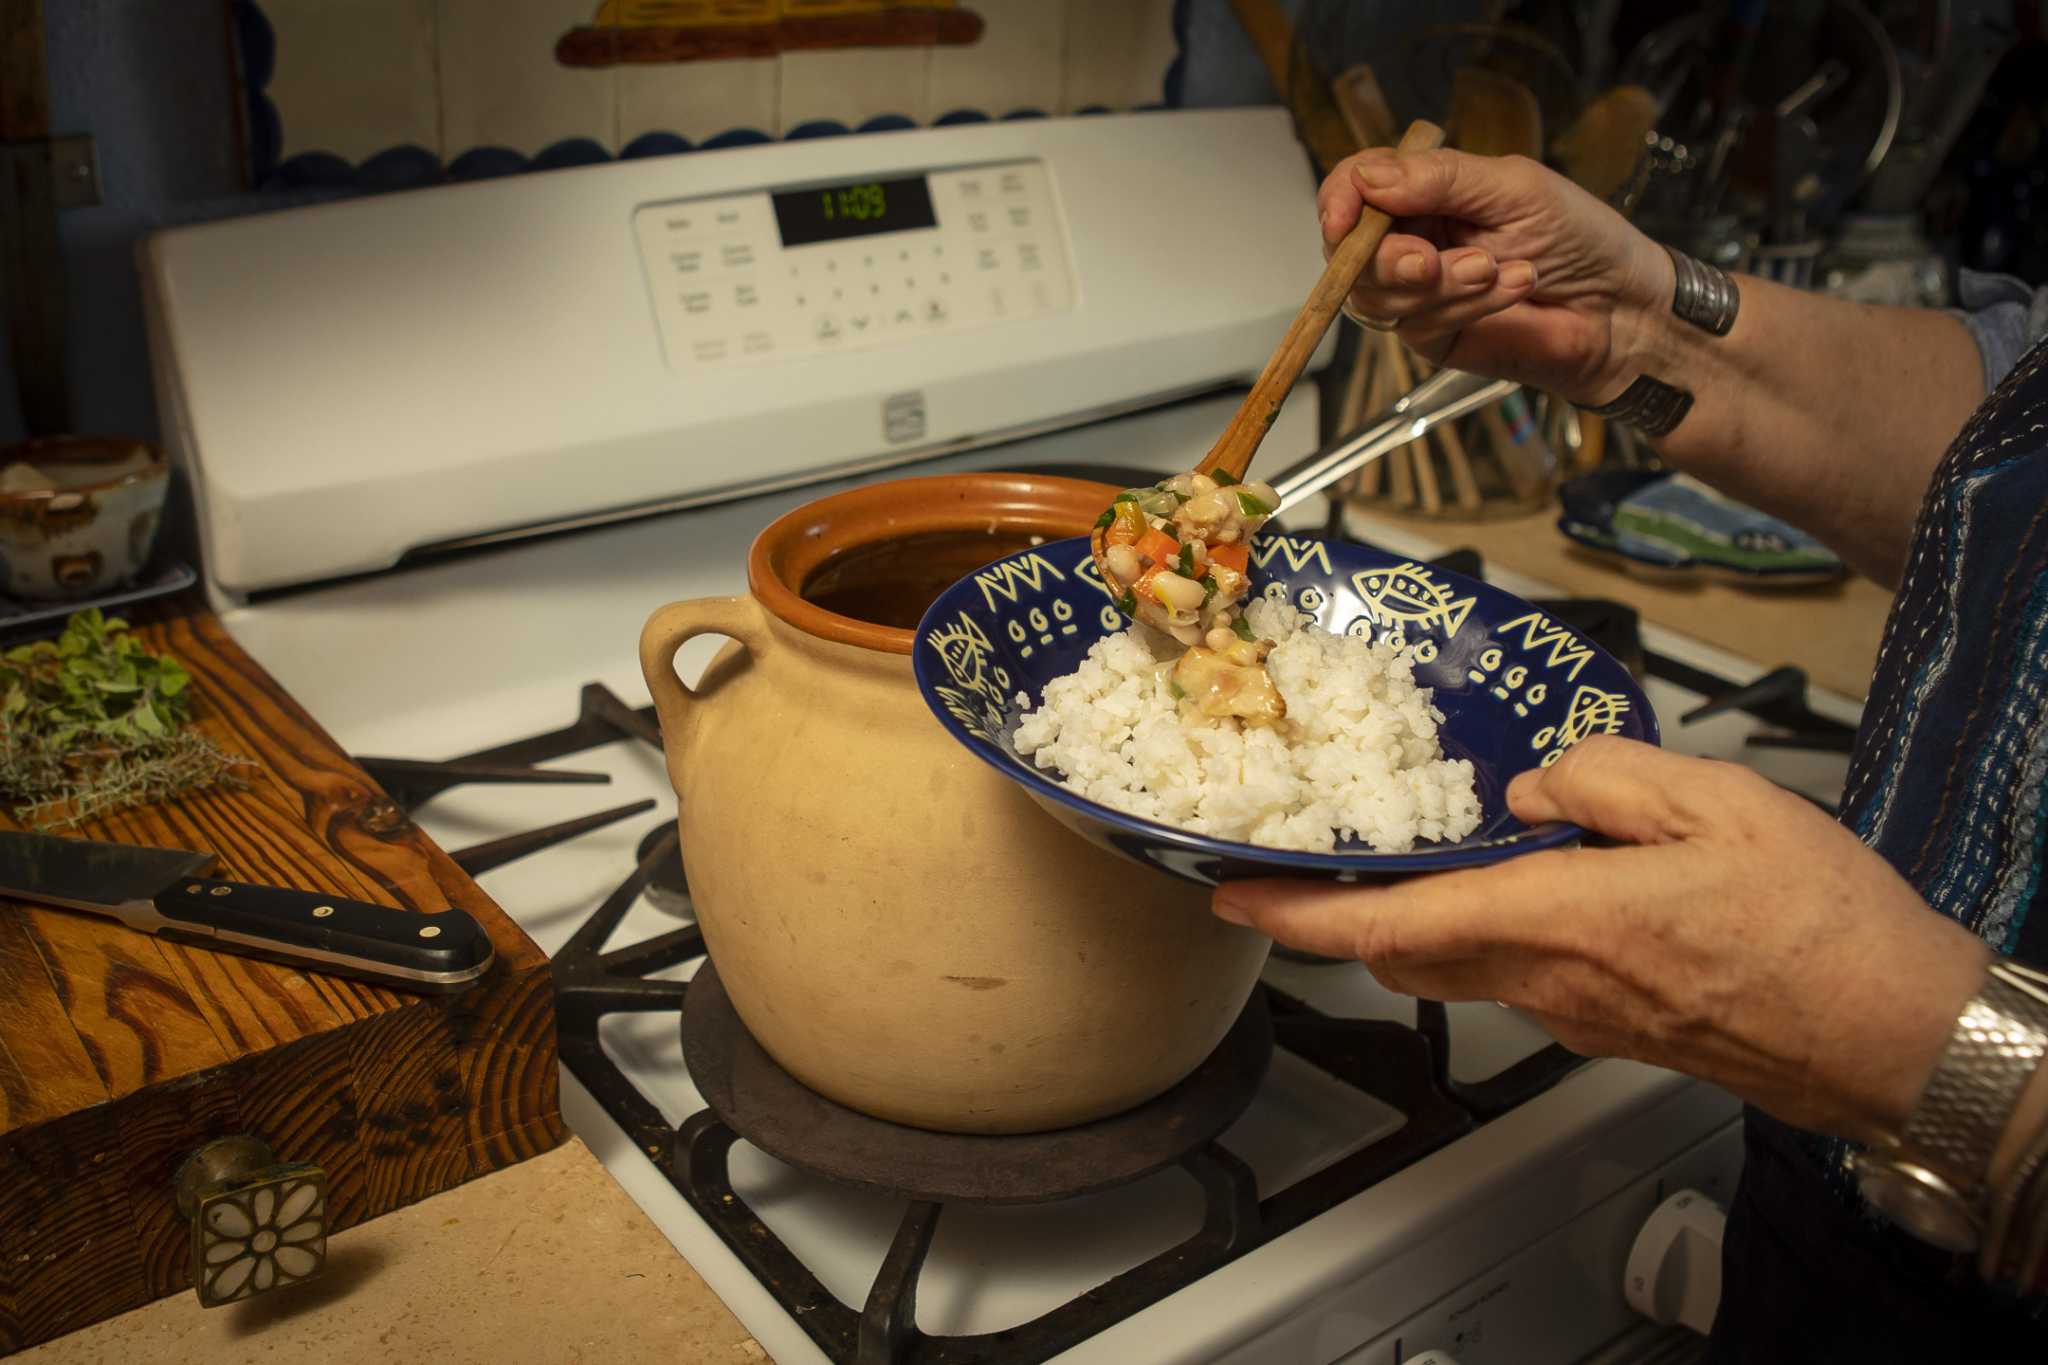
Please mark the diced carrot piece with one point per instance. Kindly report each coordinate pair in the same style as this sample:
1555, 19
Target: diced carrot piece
1159, 547
1237, 558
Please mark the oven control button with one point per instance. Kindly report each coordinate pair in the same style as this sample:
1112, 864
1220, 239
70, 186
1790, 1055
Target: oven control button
1674, 1269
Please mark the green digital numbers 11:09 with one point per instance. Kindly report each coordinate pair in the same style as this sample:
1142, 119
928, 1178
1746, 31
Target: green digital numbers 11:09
857, 203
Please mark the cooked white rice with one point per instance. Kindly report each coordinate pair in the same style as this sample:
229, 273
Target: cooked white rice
1357, 755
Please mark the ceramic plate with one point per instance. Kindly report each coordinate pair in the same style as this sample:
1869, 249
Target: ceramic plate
27, 620
1516, 688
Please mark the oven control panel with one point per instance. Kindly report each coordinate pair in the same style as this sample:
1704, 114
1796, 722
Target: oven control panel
843, 265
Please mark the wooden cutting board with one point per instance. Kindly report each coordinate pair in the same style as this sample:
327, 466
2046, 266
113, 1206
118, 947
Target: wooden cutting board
120, 1054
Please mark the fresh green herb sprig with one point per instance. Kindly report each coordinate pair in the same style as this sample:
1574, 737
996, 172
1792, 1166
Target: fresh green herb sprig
93, 722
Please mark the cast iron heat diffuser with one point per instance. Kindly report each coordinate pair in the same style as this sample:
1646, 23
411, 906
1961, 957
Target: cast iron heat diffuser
748, 1096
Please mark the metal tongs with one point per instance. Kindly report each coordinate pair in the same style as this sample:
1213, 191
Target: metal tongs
1443, 397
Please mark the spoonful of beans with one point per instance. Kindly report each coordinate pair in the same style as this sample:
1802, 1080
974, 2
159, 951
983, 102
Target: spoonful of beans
1177, 555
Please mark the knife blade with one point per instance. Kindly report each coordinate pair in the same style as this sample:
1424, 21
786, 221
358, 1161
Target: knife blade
166, 892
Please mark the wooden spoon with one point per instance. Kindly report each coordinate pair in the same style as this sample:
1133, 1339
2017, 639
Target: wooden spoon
1233, 451
1494, 115
1608, 142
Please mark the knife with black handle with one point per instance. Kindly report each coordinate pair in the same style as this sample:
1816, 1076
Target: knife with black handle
166, 892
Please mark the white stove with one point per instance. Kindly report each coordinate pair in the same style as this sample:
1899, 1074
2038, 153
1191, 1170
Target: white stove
449, 370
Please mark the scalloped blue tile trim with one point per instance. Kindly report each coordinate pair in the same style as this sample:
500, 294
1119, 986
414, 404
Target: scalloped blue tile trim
737, 137
486, 163
654, 144
1177, 69
817, 127
256, 50
411, 167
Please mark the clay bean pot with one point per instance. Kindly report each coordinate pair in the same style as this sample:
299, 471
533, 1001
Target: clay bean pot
898, 925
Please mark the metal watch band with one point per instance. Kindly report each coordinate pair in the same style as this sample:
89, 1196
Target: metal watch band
1650, 405
2000, 1037
2028, 1257
2015, 1220
1703, 295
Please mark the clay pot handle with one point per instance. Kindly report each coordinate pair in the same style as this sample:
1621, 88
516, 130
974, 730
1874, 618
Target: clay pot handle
668, 629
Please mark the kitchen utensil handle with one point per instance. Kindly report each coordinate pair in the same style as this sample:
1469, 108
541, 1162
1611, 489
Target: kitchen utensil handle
1445, 395
1255, 416
668, 630
438, 952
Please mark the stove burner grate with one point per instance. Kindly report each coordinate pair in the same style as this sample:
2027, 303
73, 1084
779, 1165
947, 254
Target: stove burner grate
747, 1094
602, 718
667, 888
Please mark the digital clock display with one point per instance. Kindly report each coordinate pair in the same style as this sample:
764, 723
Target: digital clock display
862, 209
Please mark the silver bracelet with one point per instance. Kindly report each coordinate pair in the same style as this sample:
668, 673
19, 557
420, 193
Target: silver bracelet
1650, 405
1703, 295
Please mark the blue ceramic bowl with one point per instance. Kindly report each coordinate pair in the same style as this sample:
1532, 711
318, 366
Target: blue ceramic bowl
1514, 686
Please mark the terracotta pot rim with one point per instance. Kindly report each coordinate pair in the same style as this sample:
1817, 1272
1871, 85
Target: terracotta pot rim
72, 450
795, 545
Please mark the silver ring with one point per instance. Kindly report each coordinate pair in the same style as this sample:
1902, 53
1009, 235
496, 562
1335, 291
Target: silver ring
1374, 324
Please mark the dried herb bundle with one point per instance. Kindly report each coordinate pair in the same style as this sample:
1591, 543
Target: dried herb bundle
94, 722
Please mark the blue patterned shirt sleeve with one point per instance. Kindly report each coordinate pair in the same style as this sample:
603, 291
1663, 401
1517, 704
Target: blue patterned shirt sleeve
2005, 316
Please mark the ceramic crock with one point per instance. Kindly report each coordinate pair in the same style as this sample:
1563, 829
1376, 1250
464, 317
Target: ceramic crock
896, 923
86, 519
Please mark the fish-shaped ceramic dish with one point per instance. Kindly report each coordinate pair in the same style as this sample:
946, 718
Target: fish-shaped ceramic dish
1657, 523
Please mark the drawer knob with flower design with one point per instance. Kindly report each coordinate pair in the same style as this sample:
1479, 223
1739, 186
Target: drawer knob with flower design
257, 1222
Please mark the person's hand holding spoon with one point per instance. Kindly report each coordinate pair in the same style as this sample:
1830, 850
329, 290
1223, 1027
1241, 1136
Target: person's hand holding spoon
1176, 555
